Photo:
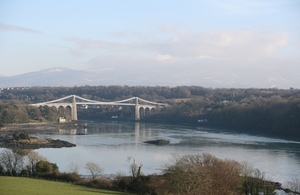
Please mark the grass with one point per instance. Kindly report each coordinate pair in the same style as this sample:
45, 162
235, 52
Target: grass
29, 186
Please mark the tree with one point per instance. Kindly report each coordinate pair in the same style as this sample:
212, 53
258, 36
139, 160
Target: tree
12, 163
32, 159
203, 174
135, 170
294, 185
254, 181
44, 166
94, 169
74, 168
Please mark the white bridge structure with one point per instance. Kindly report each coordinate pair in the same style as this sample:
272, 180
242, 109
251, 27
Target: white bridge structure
139, 103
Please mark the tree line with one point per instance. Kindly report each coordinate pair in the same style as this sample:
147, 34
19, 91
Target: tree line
190, 174
272, 111
41, 94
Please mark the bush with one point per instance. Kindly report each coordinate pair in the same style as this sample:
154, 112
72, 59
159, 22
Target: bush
45, 167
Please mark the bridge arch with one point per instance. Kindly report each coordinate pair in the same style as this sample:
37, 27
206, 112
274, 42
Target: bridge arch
53, 107
153, 109
144, 110
147, 111
61, 111
68, 112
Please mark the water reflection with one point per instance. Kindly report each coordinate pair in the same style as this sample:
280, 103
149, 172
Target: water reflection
110, 143
72, 131
137, 126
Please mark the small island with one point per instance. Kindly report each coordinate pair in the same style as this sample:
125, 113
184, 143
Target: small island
21, 140
158, 142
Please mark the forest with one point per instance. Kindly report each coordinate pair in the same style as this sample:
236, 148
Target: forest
273, 111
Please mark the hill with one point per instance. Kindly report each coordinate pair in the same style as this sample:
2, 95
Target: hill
58, 76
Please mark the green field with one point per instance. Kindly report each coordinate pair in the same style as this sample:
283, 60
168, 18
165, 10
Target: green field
28, 186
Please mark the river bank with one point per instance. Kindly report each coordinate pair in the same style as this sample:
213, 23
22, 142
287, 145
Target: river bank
32, 128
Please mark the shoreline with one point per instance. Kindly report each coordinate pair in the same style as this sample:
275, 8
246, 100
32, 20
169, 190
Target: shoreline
31, 128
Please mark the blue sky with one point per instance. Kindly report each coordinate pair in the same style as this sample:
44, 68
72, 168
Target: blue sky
225, 43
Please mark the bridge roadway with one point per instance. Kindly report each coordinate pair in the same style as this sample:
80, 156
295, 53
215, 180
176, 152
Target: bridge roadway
127, 102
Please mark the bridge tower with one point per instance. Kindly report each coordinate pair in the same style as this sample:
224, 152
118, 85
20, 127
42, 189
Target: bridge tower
137, 110
74, 110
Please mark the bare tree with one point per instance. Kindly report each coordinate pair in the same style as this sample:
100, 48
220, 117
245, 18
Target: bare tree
135, 170
74, 168
12, 163
203, 174
294, 185
255, 181
94, 169
32, 159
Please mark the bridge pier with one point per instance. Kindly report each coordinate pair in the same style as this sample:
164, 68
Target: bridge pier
137, 113
137, 110
74, 110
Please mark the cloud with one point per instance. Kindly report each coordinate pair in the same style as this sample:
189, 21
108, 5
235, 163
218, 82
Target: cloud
240, 58
162, 58
253, 7
88, 46
118, 34
168, 28
14, 28
219, 44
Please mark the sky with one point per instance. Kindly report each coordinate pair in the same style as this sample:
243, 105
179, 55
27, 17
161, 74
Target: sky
216, 43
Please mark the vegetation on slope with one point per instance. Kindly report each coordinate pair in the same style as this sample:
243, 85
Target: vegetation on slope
29, 186
271, 111
190, 174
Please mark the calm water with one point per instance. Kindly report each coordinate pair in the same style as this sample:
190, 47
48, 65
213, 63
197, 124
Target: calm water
110, 144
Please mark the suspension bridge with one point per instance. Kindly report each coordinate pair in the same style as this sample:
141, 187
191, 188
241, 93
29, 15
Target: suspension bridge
72, 101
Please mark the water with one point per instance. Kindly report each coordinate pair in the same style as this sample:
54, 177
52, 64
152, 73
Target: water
111, 143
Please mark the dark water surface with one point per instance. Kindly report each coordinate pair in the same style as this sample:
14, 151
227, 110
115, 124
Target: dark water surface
110, 144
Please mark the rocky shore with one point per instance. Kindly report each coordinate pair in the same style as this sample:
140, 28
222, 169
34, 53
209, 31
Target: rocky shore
33, 143
17, 136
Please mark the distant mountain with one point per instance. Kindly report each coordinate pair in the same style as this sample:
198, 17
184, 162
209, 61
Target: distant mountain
58, 76
61, 76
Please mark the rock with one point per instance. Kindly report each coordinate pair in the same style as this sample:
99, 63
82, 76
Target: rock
279, 192
158, 142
